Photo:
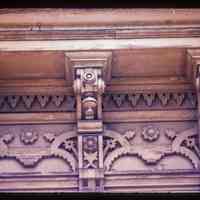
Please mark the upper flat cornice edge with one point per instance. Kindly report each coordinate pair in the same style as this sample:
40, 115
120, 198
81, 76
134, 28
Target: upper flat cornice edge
97, 17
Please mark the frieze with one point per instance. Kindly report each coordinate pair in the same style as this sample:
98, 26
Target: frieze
30, 147
147, 100
121, 101
39, 103
64, 145
117, 145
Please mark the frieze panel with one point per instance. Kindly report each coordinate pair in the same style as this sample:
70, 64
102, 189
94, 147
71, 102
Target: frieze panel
37, 103
111, 102
31, 144
151, 143
150, 100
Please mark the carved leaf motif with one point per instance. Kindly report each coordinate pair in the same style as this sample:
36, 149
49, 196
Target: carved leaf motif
179, 98
4, 140
130, 134
43, 100
28, 100
49, 137
3, 150
164, 98
13, 100
149, 98
192, 98
2, 98
134, 98
8, 138
170, 133
57, 100
119, 99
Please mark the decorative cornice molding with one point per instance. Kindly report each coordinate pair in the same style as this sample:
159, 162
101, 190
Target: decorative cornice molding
75, 17
111, 101
79, 33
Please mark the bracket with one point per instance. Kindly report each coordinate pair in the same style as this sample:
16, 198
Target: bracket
89, 71
194, 65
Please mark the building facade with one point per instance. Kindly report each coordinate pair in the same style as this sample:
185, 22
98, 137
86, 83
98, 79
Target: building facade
102, 100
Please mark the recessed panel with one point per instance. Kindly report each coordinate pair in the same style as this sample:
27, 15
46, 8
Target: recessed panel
149, 63
31, 65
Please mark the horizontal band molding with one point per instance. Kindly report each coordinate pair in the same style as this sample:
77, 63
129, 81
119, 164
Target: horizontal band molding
122, 85
31, 90
39, 32
107, 44
37, 118
108, 117
39, 184
75, 17
147, 182
149, 116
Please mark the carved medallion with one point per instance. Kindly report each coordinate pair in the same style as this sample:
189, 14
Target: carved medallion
29, 137
150, 133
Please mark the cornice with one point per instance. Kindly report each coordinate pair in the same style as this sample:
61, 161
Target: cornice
60, 24
75, 17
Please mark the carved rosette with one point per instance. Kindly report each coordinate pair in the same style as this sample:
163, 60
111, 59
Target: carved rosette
69, 145
150, 133
29, 137
89, 87
90, 143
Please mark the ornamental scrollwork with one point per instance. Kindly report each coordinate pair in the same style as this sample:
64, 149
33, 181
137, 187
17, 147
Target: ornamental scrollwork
111, 101
183, 143
63, 146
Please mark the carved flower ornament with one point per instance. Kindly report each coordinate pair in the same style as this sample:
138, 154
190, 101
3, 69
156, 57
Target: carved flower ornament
69, 144
190, 142
90, 143
150, 133
111, 143
29, 137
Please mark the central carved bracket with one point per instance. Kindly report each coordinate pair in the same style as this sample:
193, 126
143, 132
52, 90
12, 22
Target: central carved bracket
89, 87
89, 70
194, 63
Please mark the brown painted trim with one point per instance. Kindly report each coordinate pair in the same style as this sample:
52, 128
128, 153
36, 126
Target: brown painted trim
74, 17
102, 44
108, 117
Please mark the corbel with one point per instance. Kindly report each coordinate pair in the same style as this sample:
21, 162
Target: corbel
193, 73
89, 72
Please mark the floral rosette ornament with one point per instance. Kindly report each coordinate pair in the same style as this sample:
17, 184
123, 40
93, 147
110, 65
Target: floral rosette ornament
69, 145
90, 143
29, 137
150, 133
